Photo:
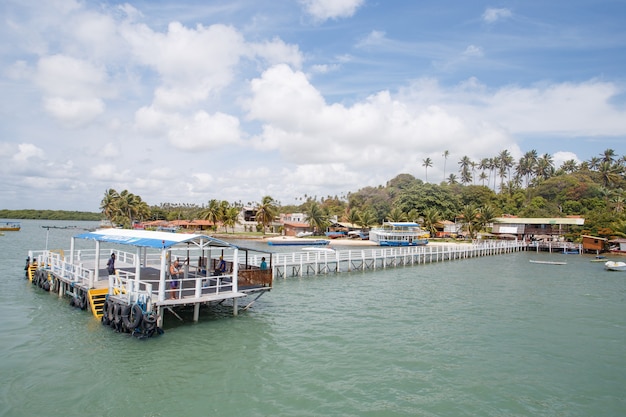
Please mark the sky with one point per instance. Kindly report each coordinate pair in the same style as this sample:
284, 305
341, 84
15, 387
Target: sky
184, 101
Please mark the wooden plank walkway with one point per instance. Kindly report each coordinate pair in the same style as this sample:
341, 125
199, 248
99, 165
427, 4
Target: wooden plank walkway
325, 262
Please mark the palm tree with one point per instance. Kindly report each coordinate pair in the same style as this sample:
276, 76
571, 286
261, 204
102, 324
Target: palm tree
594, 163
431, 217
212, 212
396, 215
231, 217
482, 177
487, 214
108, 205
545, 166
266, 212
608, 155
127, 206
427, 163
471, 219
316, 216
445, 155
609, 173
353, 216
452, 179
366, 219
569, 166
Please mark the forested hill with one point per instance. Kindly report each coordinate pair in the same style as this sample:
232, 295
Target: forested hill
50, 215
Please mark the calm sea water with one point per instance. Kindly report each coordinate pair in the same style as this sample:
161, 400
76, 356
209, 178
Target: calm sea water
494, 336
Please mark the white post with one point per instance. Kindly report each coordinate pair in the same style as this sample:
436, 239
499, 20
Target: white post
97, 262
235, 269
163, 268
72, 251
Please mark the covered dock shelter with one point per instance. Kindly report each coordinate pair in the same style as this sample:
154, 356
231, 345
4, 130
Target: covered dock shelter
143, 261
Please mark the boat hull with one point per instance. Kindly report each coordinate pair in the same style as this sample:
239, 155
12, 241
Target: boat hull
298, 242
416, 242
615, 266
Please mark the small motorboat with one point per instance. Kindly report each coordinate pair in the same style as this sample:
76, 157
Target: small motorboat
615, 266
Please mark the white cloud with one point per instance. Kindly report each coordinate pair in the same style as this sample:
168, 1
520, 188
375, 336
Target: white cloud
278, 52
331, 9
28, 151
492, 15
562, 156
74, 89
374, 38
473, 51
204, 131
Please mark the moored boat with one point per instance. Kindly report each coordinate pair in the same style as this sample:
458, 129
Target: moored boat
615, 266
10, 226
284, 241
548, 262
399, 234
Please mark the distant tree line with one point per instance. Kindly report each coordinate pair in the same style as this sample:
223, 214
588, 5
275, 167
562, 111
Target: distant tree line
50, 215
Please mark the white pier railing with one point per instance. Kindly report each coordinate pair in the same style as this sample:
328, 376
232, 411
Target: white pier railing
327, 261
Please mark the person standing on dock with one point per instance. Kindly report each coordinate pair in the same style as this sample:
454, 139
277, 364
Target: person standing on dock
174, 273
111, 264
263, 264
221, 267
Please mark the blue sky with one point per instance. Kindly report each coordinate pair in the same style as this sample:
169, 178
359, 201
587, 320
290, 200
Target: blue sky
187, 101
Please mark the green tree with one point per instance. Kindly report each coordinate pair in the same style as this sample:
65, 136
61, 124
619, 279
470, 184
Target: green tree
108, 205
397, 215
212, 212
471, 220
430, 219
366, 219
266, 212
427, 163
316, 217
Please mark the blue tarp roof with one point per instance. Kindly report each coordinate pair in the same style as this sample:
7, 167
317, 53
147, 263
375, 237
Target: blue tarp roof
149, 239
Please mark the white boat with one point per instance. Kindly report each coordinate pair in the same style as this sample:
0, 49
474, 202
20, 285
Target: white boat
304, 234
615, 266
399, 234
316, 249
548, 262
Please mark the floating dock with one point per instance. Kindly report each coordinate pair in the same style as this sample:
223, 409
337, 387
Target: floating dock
135, 297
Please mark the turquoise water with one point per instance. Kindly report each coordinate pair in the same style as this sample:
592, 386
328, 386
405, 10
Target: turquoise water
494, 336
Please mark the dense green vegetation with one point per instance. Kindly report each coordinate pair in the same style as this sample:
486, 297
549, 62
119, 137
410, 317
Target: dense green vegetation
530, 187
50, 215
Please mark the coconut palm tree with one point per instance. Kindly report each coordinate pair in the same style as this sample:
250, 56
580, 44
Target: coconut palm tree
231, 217
482, 177
569, 166
609, 173
266, 212
108, 205
366, 219
212, 212
545, 166
316, 217
471, 219
445, 155
427, 163
431, 217
397, 215
452, 179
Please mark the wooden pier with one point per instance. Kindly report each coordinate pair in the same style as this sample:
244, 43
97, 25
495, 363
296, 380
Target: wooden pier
298, 264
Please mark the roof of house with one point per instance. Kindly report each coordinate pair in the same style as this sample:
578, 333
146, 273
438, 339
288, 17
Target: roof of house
296, 224
578, 221
594, 237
